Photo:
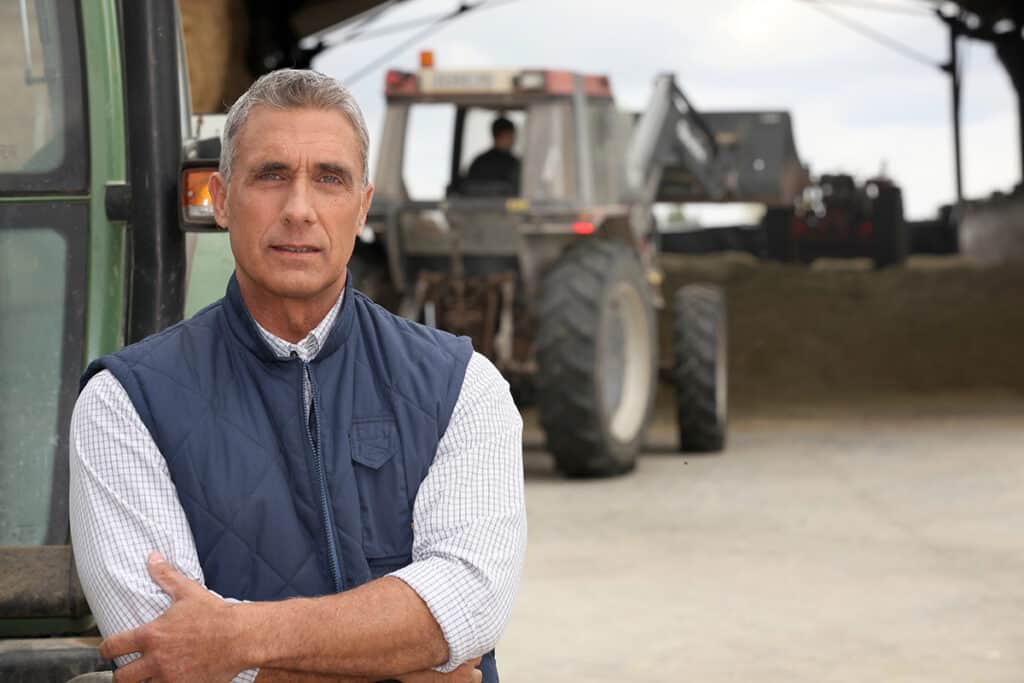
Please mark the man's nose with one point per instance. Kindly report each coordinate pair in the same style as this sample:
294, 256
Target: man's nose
299, 207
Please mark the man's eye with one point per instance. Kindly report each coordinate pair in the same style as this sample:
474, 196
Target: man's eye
269, 175
332, 179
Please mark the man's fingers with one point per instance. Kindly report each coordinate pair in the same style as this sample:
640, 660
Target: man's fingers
469, 672
173, 582
121, 644
465, 673
138, 670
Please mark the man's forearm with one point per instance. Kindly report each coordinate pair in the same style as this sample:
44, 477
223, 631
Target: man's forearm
378, 630
282, 676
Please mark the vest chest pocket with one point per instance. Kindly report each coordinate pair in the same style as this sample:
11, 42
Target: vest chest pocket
383, 493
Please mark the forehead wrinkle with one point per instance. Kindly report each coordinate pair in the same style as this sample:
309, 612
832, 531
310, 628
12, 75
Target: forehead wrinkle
299, 134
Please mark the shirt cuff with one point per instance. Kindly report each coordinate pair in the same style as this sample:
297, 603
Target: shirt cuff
434, 580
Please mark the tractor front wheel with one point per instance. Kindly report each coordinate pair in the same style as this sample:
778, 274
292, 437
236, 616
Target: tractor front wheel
700, 371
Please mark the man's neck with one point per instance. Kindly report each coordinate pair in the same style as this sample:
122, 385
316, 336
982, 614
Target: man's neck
289, 319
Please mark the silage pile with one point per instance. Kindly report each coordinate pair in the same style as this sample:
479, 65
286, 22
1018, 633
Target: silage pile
840, 330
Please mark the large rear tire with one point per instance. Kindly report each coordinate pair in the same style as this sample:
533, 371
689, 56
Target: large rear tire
597, 359
700, 371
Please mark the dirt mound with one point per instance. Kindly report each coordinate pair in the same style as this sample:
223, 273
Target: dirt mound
840, 330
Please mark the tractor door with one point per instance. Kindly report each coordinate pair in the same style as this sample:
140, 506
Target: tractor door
61, 301
44, 226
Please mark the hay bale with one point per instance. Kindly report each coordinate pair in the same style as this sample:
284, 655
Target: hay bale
216, 39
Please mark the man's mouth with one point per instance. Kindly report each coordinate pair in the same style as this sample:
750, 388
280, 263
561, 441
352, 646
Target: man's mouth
294, 249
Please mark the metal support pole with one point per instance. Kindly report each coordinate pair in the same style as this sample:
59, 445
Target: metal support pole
953, 68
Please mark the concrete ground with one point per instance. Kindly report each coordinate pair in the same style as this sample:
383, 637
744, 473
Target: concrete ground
864, 542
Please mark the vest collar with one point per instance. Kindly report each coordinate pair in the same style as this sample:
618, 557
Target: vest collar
245, 329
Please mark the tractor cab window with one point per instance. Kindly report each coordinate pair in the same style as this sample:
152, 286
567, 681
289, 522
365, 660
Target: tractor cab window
549, 171
607, 140
491, 153
454, 150
43, 241
42, 143
428, 150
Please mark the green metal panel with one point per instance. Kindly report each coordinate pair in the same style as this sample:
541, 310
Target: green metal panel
105, 303
210, 266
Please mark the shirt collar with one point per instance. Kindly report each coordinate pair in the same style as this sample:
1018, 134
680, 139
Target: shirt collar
309, 346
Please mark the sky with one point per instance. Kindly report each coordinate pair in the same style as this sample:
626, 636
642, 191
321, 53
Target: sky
857, 106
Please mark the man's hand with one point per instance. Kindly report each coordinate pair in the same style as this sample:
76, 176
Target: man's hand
192, 642
467, 673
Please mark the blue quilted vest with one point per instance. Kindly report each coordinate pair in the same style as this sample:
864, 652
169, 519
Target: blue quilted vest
281, 506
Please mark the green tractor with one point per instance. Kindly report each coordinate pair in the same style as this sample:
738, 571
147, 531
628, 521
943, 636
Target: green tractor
97, 250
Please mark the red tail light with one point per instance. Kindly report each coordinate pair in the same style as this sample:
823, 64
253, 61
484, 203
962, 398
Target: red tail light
583, 228
400, 83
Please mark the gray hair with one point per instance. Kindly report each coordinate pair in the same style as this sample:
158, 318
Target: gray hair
293, 89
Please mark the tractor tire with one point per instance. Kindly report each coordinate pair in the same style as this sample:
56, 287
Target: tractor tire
700, 368
596, 359
890, 239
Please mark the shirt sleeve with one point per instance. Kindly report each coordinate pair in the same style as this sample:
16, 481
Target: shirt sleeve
123, 505
469, 518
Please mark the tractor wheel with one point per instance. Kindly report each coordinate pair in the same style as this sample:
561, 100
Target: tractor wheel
700, 370
596, 359
890, 239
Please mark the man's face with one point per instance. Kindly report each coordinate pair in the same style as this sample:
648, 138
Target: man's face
295, 202
505, 140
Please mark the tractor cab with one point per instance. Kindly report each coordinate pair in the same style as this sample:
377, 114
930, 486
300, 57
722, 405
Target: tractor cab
564, 125
567, 142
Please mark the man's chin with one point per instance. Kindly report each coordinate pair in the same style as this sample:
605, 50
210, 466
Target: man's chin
301, 288
304, 291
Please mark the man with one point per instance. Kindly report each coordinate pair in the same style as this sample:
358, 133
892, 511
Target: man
498, 165
294, 440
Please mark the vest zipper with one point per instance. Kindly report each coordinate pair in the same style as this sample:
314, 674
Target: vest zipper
318, 464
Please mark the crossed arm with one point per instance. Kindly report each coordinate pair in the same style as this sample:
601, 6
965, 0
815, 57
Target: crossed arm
379, 630
444, 610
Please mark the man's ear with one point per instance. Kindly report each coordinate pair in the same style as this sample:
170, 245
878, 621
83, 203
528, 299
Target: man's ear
219, 194
365, 208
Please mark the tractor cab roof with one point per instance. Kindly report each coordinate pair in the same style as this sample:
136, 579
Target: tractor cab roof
502, 87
